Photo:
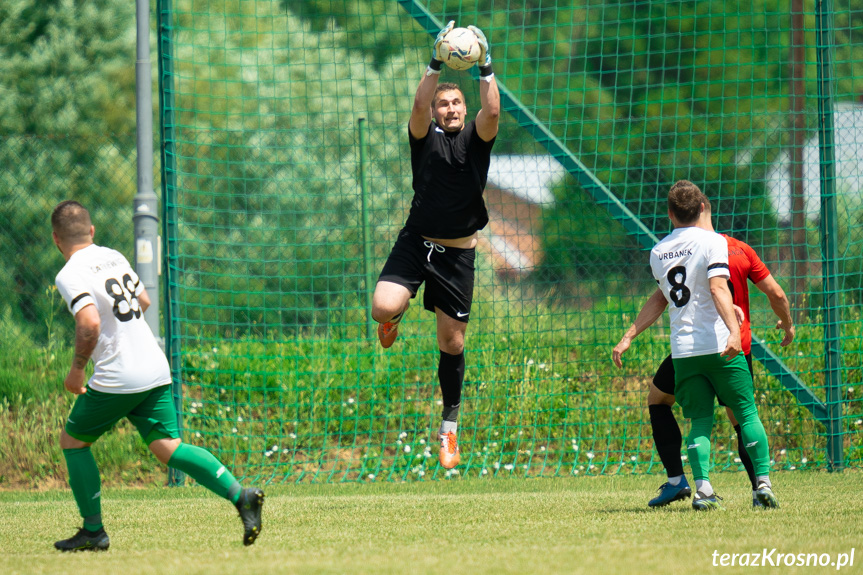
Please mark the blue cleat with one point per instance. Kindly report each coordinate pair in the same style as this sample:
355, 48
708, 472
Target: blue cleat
703, 502
669, 493
763, 497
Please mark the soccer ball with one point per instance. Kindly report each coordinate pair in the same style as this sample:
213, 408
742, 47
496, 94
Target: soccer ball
459, 49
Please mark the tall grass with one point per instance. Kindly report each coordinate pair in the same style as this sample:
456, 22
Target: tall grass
541, 398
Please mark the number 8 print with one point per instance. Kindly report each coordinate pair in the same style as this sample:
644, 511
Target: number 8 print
678, 293
125, 307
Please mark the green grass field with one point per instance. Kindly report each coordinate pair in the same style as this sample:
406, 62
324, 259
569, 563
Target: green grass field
585, 524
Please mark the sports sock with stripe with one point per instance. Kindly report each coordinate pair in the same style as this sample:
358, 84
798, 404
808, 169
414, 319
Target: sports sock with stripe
203, 467
698, 446
754, 439
86, 485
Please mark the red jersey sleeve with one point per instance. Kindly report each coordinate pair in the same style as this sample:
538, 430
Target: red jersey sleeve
758, 270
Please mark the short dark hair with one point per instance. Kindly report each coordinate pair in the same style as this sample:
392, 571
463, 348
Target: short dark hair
684, 201
71, 222
446, 87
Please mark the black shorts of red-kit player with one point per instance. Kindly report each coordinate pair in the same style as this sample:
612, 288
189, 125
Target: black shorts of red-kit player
447, 273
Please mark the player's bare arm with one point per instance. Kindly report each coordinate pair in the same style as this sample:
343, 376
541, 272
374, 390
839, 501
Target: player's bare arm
724, 305
143, 300
421, 114
780, 305
489, 115
647, 316
489, 96
87, 328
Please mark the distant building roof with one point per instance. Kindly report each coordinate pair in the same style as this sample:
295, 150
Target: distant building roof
528, 177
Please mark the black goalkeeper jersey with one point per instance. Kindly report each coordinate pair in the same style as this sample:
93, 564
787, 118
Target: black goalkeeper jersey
450, 170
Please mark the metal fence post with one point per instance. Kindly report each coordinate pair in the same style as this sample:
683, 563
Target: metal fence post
169, 215
826, 156
367, 249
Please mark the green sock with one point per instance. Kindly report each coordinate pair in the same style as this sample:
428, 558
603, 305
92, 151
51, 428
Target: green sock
86, 485
200, 465
755, 441
698, 447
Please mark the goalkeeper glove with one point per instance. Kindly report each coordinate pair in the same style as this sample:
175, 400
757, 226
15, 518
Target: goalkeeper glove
436, 63
484, 54
439, 40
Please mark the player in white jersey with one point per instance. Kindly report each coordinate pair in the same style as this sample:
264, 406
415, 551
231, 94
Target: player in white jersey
127, 358
691, 267
683, 264
131, 379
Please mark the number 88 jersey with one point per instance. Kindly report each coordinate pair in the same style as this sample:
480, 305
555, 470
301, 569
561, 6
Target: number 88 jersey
682, 265
127, 357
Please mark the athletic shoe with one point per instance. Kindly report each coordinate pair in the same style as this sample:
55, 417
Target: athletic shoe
764, 497
669, 493
249, 505
85, 540
701, 502
389, 330
449, 455
387, 333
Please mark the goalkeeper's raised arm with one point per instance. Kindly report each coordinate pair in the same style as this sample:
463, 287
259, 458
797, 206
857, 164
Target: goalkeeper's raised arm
489, 96
421, 114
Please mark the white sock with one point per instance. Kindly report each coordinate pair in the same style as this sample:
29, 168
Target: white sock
703, 486
759, 479
675, 480
447, 426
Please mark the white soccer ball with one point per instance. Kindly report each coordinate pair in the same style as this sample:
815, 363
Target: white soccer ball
460, 49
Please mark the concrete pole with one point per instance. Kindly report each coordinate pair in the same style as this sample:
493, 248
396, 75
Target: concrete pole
146, 204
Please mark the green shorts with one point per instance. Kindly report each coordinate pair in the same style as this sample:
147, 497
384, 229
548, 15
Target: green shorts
698, 380
151, 411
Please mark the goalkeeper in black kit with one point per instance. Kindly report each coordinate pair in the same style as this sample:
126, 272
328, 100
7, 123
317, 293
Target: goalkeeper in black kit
449, 159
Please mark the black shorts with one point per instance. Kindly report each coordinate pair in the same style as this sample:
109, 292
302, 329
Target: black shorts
664, 378
447, 273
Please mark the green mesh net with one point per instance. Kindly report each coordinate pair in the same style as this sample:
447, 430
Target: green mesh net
287, 177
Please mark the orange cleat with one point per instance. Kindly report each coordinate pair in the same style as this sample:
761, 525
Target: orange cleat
387, 333
389, 330
449, 455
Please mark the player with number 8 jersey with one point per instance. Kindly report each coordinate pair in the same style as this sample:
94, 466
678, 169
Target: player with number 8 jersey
691, 268
684, 262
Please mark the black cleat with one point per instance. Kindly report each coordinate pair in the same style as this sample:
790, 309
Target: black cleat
85, 540
249, 505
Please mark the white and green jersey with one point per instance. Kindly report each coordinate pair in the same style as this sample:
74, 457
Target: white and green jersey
127, 356
682, 265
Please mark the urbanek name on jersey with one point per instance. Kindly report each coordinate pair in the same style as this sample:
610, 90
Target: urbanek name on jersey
672, 255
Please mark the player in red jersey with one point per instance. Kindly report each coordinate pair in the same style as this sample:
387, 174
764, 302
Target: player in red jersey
744, 264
